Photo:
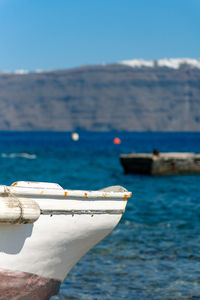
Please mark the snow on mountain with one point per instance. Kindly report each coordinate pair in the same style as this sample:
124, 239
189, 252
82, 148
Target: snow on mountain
173, 63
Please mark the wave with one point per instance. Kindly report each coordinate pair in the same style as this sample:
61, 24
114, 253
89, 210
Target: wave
21, 155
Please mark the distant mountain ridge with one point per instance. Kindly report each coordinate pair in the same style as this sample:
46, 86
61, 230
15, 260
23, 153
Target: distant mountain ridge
173, 63
134, 95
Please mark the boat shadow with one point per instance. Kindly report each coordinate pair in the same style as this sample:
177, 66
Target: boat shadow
13, 237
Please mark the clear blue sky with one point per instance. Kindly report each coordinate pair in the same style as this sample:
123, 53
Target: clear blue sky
58, 34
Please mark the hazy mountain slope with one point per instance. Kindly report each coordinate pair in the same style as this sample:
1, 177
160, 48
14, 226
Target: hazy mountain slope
110, 97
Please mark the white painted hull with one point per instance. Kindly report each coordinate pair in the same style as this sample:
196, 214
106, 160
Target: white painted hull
71, 223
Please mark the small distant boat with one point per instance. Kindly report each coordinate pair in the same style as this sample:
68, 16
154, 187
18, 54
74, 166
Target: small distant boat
157, 163
45, 230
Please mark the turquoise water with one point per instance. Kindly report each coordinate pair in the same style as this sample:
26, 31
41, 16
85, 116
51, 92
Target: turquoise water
154, 253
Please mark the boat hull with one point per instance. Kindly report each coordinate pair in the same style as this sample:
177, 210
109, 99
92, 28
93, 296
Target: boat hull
36, 257
26, 286
52, 245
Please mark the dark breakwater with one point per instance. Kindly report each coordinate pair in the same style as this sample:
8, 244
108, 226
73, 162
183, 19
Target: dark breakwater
154, 253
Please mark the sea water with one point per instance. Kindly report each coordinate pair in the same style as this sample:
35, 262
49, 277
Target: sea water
154, 253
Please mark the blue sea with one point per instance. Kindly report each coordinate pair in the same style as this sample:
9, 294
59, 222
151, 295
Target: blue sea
154, 253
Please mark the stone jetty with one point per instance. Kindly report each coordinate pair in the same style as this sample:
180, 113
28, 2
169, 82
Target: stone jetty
161, 163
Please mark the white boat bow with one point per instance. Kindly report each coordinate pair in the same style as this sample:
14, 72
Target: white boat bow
45, 230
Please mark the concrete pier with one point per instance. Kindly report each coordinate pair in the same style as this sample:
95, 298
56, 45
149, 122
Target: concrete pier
161, 163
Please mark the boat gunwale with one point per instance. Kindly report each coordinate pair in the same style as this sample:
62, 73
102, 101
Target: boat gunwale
62, 193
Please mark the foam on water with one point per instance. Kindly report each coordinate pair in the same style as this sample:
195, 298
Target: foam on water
23, 155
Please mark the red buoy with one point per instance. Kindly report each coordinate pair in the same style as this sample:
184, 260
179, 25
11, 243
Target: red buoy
117, 141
